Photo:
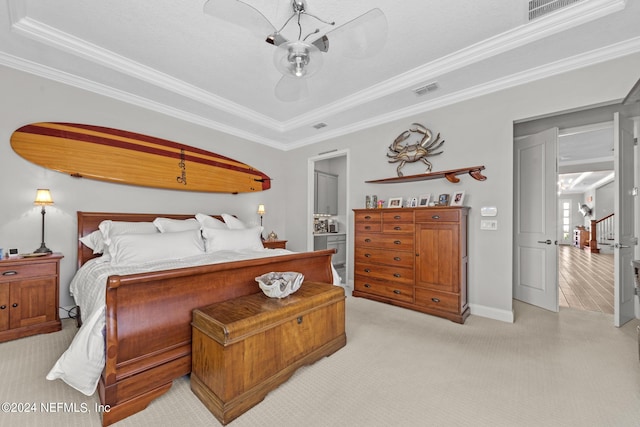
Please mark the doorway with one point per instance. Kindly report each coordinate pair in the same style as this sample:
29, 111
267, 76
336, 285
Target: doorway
330, 168
536, 274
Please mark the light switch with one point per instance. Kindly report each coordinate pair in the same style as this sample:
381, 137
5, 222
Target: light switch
488, 224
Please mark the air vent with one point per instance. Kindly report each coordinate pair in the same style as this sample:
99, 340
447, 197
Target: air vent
425, 89
320, 125
538, 8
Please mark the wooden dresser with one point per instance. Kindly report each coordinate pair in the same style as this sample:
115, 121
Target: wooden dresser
245, 347
414, 258
29, 295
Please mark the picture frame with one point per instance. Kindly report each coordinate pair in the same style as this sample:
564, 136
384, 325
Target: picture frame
423, 201
394, 202
457, 198
412, 202
443, 200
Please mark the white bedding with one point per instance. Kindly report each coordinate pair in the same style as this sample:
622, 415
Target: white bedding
82, 363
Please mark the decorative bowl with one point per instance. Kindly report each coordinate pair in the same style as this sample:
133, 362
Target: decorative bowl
280, 284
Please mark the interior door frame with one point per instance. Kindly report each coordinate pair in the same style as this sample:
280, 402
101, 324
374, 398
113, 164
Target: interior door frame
311, 162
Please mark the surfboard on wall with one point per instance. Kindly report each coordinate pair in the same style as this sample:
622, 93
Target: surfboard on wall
125, 157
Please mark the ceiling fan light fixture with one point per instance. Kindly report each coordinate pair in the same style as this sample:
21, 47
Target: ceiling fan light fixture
297, 59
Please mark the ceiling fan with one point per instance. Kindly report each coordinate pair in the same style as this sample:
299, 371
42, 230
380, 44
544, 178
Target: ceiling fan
302, 56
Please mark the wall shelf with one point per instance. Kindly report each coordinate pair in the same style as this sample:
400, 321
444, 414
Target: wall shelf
450, 175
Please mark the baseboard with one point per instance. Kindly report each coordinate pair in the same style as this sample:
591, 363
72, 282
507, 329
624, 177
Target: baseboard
492, 313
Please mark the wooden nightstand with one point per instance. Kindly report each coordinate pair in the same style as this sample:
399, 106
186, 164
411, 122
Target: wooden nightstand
274, 244
29, 296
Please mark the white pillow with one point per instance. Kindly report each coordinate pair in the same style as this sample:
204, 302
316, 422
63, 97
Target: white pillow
207, 221
169, 225
94, 241
233, 222
115, 228
217, 239
131, 249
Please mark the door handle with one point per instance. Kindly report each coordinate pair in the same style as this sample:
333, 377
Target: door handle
619, 246
547, 242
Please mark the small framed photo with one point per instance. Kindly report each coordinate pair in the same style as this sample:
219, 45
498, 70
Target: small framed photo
423, 201
395, 202
443, 200
457, 199
412, 202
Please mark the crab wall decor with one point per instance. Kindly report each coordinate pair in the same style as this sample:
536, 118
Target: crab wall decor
404, 152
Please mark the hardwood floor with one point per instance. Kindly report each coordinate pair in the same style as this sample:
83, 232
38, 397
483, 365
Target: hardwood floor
586, 280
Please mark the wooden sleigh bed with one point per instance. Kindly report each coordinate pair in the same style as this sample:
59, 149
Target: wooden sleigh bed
148, 315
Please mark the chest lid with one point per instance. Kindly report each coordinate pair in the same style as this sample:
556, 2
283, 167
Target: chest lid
236, 319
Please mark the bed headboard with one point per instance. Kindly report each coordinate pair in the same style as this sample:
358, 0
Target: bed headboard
88, 222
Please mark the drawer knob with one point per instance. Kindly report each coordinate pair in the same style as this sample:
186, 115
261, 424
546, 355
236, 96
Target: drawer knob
299, 319
396, 217
397, 228
397, 242
366, 285
367, 227
367, 240
366, 270
435, 300
9, 273
14, 305
2, 307
397, 292
396, 258
397, 275
435, 217
367, 217
367, 255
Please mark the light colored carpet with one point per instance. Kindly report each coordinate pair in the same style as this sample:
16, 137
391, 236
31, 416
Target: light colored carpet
399, 368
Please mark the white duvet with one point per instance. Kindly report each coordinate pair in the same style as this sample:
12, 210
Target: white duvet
82, 363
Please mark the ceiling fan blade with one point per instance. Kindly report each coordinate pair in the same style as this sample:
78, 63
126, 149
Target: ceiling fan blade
241, 14
359, 38
291, 89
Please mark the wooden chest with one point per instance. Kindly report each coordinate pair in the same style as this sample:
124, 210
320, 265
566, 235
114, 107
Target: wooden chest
245, 347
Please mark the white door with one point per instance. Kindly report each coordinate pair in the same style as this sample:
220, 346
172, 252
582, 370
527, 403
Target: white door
624, 224
535, 261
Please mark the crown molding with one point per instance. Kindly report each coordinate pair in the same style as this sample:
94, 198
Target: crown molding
568, 64
567, 18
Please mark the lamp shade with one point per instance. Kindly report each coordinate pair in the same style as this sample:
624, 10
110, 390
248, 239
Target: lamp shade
43, 197
261, 209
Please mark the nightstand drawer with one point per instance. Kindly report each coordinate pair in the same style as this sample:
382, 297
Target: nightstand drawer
13, 272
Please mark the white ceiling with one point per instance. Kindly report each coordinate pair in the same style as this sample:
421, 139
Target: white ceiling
167, 55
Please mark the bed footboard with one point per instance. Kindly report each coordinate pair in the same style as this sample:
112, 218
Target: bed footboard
148, 322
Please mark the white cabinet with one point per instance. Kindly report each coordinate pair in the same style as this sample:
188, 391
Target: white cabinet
326, 193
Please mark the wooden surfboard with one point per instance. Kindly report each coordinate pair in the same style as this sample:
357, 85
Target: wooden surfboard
130, 158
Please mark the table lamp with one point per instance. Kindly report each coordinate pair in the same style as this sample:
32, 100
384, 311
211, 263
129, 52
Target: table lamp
43, 198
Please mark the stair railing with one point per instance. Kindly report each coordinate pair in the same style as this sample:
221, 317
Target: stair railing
601, 231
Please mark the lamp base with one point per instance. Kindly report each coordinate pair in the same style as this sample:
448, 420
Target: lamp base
43, 249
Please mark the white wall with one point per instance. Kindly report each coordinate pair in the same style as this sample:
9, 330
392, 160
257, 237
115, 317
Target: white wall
477, 132
26, 99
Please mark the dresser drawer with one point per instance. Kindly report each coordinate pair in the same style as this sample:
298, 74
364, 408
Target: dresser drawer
368, 216
396, 242
368, 227
437, 215
394, 274
401, 227
385, 256
13, 272
395, 217
384, 289
438, 300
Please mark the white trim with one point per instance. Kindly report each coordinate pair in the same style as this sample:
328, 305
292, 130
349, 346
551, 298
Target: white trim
492, 313
552, 24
